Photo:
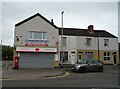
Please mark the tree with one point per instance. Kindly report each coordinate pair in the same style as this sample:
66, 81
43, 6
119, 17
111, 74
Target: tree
7, 52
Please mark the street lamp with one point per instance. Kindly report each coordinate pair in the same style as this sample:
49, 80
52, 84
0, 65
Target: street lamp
62, 53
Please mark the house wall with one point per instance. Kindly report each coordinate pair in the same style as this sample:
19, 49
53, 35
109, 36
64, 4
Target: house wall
81, 43
101, 53
36, 24
113, 47
113, 44
78, 44
71, 46
71, 43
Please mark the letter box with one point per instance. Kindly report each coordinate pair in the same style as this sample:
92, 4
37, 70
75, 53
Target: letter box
16, 62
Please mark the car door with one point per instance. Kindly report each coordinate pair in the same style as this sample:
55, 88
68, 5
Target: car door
97, 65
91, 66
88, 65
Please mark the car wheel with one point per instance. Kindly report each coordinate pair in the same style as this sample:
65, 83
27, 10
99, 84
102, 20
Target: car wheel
82, 70
101, 69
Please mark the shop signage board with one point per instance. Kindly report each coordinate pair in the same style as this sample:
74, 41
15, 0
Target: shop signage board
35, 49
36, 42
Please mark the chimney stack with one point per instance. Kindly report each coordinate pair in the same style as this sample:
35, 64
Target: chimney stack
52, 21
91, 29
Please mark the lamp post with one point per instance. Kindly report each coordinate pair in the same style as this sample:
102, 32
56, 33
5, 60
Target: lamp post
62, 21
62, 53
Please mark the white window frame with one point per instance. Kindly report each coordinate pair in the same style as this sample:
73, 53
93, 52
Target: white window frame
90, 53
90, 40
106, 42
64, 44
107, 56
64, 54
36, 32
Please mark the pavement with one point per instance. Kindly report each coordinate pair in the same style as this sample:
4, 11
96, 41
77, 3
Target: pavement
22, 74
8, 73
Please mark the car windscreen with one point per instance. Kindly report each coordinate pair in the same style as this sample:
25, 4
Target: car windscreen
83, 62
88, 61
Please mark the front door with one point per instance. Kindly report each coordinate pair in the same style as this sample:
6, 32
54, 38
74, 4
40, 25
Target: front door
80, 56
72, 58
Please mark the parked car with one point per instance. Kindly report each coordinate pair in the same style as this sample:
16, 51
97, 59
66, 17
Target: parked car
87, 65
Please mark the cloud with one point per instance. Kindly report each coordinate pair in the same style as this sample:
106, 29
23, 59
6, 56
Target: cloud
102, 15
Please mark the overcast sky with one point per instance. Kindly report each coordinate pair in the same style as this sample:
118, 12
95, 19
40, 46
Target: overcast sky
103, 15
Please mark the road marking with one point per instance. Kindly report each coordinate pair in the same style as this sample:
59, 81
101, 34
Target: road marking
59, 76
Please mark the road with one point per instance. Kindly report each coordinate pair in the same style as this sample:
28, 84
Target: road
108, 78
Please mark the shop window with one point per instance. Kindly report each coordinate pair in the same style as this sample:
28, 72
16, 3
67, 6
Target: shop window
88, 42
106, 56
64, 55
106, 42
37, 35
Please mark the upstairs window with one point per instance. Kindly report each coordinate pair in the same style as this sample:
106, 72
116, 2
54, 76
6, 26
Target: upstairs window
37, 35
106, 42
64, 41
88, 42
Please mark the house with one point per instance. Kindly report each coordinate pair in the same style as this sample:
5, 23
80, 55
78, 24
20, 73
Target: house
38, 44
82, 44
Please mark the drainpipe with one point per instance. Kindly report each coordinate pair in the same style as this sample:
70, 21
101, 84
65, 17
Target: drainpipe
98, 48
